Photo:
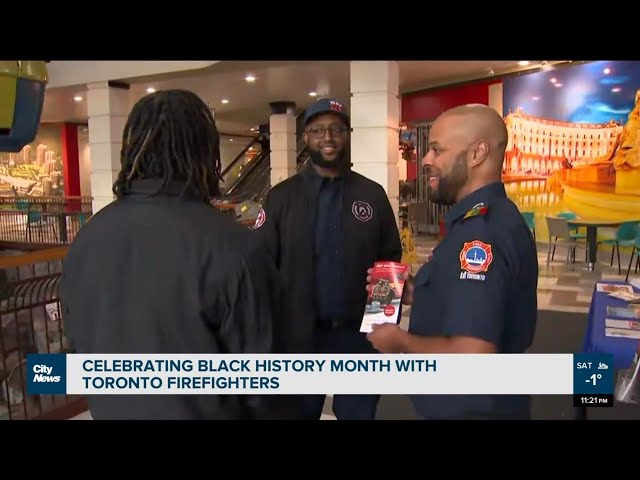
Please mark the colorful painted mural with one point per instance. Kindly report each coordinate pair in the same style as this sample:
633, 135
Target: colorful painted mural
574, 142
37, 169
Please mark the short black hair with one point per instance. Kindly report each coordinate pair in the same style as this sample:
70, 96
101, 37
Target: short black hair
171, 135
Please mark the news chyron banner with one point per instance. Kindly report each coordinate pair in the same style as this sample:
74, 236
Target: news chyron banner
588, 377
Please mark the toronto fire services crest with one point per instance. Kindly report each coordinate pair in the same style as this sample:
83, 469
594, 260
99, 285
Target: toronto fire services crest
476, 256
362, 211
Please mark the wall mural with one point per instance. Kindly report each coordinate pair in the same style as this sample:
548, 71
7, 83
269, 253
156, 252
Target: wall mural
573, 141
37, 169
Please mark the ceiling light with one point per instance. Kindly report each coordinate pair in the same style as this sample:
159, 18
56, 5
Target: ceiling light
250, 78
77, 98
312, 94
224, 100
535, 99
231, 139
252, 129
523, 63
607, 71
616, 89
557, 85
151, 90
553, 80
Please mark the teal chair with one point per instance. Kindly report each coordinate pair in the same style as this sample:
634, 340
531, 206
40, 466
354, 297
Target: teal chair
626, 235
529, 218
635, 253
34, 217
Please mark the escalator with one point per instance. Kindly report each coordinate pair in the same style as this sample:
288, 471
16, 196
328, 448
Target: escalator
247, 179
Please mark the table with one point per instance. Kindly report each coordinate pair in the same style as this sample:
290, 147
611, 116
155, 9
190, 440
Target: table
595, 339
592, 235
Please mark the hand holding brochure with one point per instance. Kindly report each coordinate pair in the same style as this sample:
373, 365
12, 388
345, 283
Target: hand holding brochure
385, 294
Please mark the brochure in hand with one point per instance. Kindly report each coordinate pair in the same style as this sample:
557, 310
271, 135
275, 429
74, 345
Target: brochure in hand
385, 294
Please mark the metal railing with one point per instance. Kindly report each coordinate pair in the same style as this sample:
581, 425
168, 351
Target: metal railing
31, 321
43, 221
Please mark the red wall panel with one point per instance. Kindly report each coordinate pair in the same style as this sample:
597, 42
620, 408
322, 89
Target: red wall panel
427, 105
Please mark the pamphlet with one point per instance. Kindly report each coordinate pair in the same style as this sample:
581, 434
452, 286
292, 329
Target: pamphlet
385, 294
626, 296
622, 333
631, 312
613, 288
625, 324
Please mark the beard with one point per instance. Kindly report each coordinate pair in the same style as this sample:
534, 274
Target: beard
336, 164
449, 185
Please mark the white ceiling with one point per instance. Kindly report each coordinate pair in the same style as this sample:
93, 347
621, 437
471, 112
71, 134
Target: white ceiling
248, 103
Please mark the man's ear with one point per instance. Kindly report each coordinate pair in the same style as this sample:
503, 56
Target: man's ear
305, 137
480, 152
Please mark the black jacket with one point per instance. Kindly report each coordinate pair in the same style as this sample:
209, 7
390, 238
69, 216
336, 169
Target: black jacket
286, 226
165, 274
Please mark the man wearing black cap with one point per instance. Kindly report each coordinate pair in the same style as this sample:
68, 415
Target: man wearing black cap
325, 226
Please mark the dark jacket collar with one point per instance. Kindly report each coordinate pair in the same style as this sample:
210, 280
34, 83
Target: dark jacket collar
483, 195
153, 186
311, 174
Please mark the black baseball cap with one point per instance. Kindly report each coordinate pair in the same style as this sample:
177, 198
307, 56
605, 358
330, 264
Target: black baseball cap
326, 105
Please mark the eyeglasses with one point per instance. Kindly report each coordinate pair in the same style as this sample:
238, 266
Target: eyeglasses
319, 132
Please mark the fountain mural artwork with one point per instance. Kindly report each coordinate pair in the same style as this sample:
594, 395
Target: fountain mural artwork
574, 141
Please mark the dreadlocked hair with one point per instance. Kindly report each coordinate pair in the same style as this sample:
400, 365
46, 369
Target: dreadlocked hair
171, 135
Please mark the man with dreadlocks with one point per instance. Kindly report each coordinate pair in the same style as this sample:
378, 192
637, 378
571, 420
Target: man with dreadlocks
160, 270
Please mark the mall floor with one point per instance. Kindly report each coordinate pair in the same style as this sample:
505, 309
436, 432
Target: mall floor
564, 295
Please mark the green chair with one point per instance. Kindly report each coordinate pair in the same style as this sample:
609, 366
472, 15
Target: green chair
529, 218
626, 235
634, 253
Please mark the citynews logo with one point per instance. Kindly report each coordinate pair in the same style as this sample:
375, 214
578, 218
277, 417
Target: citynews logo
46, 373
43, 374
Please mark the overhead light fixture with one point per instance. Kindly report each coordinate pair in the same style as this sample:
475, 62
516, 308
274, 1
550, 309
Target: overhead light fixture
77, 98
607, 71
313, 94
250, 78
557, 84
252, 129
151, 90
616, 89
523, 63
553, 80
224, 100
535, 99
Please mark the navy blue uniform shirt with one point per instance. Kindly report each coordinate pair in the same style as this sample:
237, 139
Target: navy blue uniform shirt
328, 251
480, 282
